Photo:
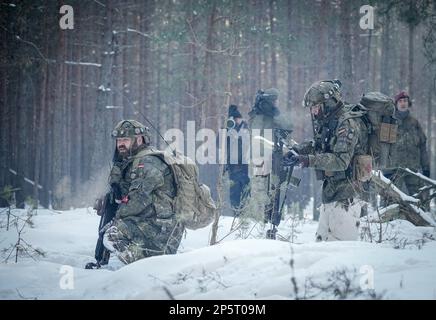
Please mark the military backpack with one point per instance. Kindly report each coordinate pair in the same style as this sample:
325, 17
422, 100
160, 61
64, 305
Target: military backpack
376, 110
193, 203
380, 111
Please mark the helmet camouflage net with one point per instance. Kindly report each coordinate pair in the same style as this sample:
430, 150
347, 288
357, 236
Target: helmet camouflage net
130, 129
321, 91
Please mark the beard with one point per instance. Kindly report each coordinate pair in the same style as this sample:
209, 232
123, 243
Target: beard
124, 152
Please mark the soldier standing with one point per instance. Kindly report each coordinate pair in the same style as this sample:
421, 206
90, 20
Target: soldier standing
263, 118
145, 223
339, 139
237, 164
410, 150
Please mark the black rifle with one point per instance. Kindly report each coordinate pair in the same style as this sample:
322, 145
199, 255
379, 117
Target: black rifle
283, 174
106, 208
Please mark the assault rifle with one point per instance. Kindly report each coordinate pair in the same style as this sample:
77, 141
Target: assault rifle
106, 209
282, 175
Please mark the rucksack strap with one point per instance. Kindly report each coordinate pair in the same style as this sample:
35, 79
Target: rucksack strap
353, 112
159, 154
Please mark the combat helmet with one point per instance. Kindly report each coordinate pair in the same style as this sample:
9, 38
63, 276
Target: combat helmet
130, 129
322, 91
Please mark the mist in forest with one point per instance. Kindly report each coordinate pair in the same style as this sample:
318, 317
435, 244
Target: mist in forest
68, 74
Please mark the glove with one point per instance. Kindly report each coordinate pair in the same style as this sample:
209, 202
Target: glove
426, 173
291, 159
98, 205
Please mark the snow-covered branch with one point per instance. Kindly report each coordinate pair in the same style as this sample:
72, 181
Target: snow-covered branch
409, 205
25, 178
79, 63
139, 32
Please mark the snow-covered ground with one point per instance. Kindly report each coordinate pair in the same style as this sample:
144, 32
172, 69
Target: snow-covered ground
241, 266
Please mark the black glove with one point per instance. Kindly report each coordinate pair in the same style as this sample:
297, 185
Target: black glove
426, 173
291, 159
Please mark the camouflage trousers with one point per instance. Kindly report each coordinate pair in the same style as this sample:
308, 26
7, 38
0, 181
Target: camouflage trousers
131, 240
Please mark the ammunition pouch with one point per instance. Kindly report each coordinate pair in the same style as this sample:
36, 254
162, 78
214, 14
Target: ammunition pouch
388, 131
362, 168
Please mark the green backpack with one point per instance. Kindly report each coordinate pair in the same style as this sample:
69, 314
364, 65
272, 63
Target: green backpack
376, 110
193, 203
379, 110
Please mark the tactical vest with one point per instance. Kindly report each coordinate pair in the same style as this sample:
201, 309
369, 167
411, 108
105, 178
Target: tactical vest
325, 138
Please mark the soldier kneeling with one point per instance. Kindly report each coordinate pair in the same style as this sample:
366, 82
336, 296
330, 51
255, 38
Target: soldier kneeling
143, 186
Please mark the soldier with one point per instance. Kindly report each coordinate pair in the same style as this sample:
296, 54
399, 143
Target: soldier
265, 110
410, 150
263, 117
237, 165
145, 224
340, 137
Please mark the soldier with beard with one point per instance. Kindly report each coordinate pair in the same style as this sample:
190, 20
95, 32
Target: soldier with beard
145, 223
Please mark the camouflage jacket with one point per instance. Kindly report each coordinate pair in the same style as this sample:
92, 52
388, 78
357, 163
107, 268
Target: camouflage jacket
149, 184
410, 150
336, 144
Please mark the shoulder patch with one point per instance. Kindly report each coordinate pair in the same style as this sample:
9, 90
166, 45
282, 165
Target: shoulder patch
342, 131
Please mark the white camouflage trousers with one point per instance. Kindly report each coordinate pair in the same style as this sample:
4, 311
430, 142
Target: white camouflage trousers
339, 221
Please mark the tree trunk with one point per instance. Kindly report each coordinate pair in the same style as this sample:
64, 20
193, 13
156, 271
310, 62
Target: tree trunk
289, 61
101, 128
386, 73
273, 50
410, 81
347, 59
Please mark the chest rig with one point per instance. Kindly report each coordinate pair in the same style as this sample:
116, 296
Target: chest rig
324, 134
325, 138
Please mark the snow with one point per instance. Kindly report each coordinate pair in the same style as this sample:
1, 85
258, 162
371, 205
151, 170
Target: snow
25, 178
32, 182
388, 208
79, 63
138, 32
114, 107
103, 88
236, 268
431, 181
425, 215
403, 196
